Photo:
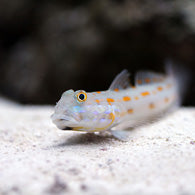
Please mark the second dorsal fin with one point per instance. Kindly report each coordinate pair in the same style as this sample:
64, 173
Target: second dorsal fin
144, 77
121, 81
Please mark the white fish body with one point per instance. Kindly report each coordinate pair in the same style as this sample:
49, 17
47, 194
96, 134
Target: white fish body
121, 106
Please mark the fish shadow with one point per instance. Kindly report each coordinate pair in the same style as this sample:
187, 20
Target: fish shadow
85, 139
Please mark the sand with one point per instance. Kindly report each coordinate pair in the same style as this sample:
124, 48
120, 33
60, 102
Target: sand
37, 158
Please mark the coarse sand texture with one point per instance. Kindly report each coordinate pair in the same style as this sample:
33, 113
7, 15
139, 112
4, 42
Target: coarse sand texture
37, 158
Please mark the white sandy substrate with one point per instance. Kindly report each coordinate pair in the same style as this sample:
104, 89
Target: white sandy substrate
37, 158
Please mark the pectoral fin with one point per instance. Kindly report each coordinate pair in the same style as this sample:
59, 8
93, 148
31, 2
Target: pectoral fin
120, 135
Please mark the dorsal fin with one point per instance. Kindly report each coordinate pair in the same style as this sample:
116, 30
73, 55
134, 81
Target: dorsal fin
144, 77
121, 81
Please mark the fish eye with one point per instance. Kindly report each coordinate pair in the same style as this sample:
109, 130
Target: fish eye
81, 96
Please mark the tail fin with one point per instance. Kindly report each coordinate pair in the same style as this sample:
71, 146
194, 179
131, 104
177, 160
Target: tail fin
181, 76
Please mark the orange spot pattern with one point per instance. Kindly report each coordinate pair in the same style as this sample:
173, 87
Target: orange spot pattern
151, 106
98, 101
136, 98
160, 88
166, 99
157, 79
139, 81
147, 80
145, 93
109, 100
126, 98
130, 111
116, 89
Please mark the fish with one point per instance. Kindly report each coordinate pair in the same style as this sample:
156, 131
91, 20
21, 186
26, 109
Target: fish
122, 106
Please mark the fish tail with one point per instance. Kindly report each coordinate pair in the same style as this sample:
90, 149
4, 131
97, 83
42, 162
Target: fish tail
180, 76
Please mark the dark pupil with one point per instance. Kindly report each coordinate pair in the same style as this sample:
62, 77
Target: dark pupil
81, 96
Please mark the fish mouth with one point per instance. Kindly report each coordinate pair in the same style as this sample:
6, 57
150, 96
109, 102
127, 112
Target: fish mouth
64, 122
67, 128
62, 118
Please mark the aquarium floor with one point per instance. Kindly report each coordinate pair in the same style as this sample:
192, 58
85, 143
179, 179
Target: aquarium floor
37, 158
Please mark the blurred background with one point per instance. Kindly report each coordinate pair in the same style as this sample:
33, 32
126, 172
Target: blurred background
47, 47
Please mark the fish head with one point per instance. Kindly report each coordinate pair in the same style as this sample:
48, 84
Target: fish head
78, 111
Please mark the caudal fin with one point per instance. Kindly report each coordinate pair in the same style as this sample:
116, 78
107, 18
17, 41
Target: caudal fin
181, 76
